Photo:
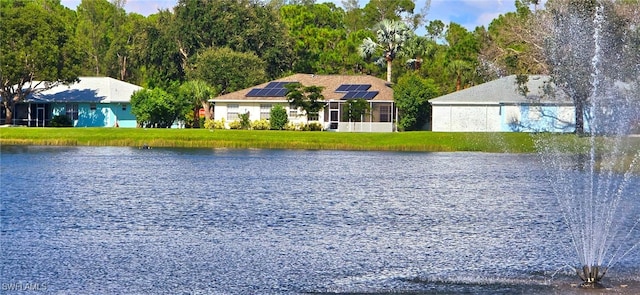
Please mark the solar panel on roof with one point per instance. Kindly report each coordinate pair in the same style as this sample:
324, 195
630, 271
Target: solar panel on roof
273, 85
371, 94
272, 92
281, 92
263, 92
342, 88
273, 89
277, 84
353, 87
253, 92
360, 94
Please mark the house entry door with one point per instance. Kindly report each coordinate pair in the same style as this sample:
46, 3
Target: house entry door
334, 115
40, 116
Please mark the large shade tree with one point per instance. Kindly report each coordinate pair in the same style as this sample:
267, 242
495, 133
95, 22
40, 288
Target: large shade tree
161, 58
156, 108
245, 26
98, 27
318, 32
37, 50
587, 50
508, 47
228, 70
390, 37
461, 55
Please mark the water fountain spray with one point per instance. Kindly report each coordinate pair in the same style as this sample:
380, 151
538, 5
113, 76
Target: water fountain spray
590, 182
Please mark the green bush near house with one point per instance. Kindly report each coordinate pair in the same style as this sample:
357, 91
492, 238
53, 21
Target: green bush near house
261, 124
290, 126
212, 124
245, 123
236, 124
278, 117
61, 121
313, 126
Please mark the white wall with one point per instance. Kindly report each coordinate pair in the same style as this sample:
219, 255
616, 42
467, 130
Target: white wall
365, 127
221, 110
460, 118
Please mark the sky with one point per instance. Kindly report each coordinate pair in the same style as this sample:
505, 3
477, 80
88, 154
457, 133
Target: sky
468, 13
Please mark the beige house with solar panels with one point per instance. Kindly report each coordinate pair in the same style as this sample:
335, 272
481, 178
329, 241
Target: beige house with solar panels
337, 91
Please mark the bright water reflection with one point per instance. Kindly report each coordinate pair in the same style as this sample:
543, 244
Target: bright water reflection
122, 220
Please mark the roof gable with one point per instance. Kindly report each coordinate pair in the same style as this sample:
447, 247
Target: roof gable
501, 91
89, 89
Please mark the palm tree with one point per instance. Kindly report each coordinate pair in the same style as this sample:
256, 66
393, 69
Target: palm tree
391, 36
458, 68
200, 92
415, 49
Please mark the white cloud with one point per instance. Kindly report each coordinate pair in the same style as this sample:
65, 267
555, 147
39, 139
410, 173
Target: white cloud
485, 19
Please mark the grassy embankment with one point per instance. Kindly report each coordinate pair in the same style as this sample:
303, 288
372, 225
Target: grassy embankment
201, 138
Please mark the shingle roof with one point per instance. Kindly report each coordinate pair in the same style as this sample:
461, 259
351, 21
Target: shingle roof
329, 82
500, 91
89, 89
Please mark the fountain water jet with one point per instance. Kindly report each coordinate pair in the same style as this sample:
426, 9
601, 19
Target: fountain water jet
591, 60
591, 276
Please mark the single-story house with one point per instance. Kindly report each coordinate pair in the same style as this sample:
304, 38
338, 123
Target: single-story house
498, 106
337, 91
91, 102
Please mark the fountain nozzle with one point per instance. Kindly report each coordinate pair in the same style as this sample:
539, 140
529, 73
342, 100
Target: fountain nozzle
591, 276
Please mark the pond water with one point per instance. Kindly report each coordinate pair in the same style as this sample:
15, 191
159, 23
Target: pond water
104, 220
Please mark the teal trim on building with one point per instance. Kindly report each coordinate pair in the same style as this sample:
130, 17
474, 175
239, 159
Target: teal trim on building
92, 102
97, 114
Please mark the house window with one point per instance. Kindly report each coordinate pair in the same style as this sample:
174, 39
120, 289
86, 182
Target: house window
124, 107
72, 111
92, 106
265, 111
293, 112
385, 113
232, 112
313, 117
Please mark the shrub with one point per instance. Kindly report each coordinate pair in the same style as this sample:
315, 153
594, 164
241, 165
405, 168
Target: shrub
290, 126
261, 124
61, 121
211, 124
314, 126
235, 125
245, 123
278, 117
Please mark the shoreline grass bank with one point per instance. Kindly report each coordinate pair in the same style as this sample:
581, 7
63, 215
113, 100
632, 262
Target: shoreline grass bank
202, 138
417, 141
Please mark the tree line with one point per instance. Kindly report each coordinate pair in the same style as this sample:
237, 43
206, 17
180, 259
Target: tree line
223, 46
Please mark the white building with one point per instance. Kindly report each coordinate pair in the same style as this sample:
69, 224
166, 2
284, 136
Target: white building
337, 91
498, 106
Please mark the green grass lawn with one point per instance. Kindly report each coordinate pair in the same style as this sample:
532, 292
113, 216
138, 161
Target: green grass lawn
422, 141
202, 138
